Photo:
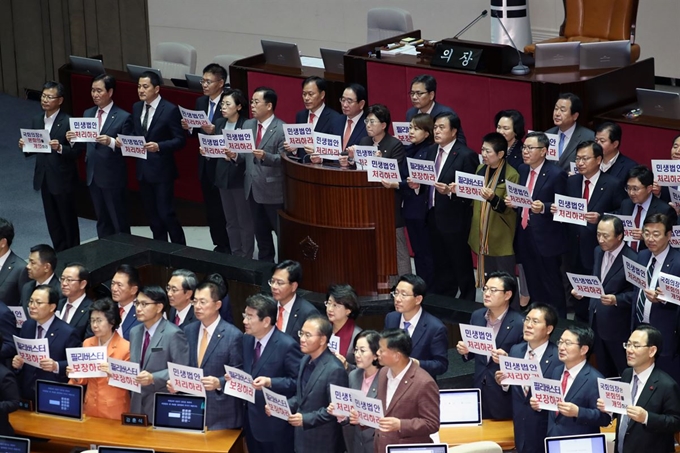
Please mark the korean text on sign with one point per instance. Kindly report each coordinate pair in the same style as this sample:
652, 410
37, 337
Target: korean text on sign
239, 141
85, 362
342, 399
400, 130
382, 168
586, 285
213, 145
519, 371
328, 146
670, 288
469, 186
553, 150
628, 225
570, 210
194, 118
675, 196
36, 141
548, 392
186, 379
32, 351
240, 384
132, 146
666, 172
334, 344
86, 129
19, 315
361, 155
478, 339
675, 237
615, 394
298, 135
421, 171
123, 374
370, 410
635, 273
278, 404
518, 195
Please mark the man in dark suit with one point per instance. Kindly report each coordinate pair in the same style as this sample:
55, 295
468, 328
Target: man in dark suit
614, 163
429, 338
40, 270
293, 310
214, 343
273, 360
153, 344
181, 288
422, 94
449, 216
264, 175
577, 413
56, 175
124, 288
653, 417
213, 80
641, 203
609, 316
8, 328
507, 325
13, 273
44, 324
158, 121
350, 125
530, 426
105, 165
569, 133
74, 308
539, 241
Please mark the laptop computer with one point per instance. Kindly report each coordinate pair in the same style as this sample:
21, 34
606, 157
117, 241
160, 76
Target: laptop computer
59, 399
89, 65
557, 54
136, 71
179, 412
460, 407
605, 54
281, 54
107, 449
333, 60
420, 448
662, 104
14, 444
586, 443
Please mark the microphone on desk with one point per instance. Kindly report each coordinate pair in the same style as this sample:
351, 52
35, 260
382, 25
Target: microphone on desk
521, 68
467, 27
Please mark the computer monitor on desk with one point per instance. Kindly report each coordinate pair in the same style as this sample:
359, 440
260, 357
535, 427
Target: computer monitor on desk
92, 66
588, 443
605, 54
14, 444
333, 60
136, 71
281, 54
557, 54
660, 104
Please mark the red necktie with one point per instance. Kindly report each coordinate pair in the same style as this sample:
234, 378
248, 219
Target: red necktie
99, 118
565, 377
525, 211
122, 312
636, 244
176, 319
311, 117
259, 136
279, 319
348, 133
586, 190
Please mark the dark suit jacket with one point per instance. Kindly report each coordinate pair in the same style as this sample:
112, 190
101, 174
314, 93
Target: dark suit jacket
279, 361
29, 287
106, 167
320, 431
656, 206
228, 174
59, 337
436, 110
225, 348
510, 334
390, 147
583, 393
360, 440
621, 168
129, 322
9, 399
580, 134
168, 344
613, 322
188, 319
359, 132
325, 124
206, 167
661, 399
415, 403
548, 235
166, 130
299, 313
80, 320
430, 342
13, 277
57, 170
531, 426
414, 205
8, 328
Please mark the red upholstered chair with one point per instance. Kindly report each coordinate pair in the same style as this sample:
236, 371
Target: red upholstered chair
597, 20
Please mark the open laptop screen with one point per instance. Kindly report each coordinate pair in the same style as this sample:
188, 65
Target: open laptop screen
56, 398
418, 448
14, 445
589, 443
460, 407
185, 412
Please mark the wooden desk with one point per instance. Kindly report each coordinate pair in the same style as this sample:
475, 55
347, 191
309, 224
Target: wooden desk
102, 431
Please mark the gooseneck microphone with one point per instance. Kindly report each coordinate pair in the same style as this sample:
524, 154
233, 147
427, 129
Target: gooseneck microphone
467, 27
520, 69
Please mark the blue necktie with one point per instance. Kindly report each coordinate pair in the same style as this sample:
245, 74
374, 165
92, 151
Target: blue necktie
211, 111
406, 327
560, 147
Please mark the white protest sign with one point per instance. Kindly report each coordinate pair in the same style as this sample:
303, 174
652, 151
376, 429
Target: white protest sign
553, 151
194, 118
615, 394
32, 350
478, 339
278, 404
334, 344
36, 141
186, 379
328, 146
123, 374
635, 273
132, 146
421, 171
86, 129
586, 285
19, 315
670, 288
342, 399
628, 225
85, 362
469, 186
573, 168
675, 236
382, 168
370, 410
666, 172
548, 392
361, 155
400, 131
239, 385
212, 145
239, 141
518, 194
570, 210
675, 196
298, 135
519, 371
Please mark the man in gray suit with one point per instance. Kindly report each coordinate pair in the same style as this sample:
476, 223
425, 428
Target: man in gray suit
13, 273
153, 344
264, 176
569, 134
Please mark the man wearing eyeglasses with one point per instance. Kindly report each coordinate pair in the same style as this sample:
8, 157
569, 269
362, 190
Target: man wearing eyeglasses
180, 289
293, 310
507, 325
350, 125
74, 308
56, 175
653, 416
577, 413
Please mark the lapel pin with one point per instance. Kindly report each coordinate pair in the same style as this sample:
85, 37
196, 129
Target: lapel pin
52, 334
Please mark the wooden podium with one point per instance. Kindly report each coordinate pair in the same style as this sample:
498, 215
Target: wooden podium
339, 226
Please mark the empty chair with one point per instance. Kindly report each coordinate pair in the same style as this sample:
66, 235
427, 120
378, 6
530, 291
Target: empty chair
384, 23
174, 59
226, 60
477, 447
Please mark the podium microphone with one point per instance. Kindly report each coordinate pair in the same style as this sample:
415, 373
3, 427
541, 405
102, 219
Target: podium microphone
467, 27
520, 69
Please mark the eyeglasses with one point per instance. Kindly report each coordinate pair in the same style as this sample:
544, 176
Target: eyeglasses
492, 290
97, 320
256, 102
396, 294
207, 82
358, 351
68, 280
247, 317
278, 283
566, 343
532, 321
531, 148
36, 302
654, 235
634, 346
49, 97
332, 305
417, 93
200, 302
634, 189
347, 101
306, 335
143, 305
171, 289
583, 159
371, 121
